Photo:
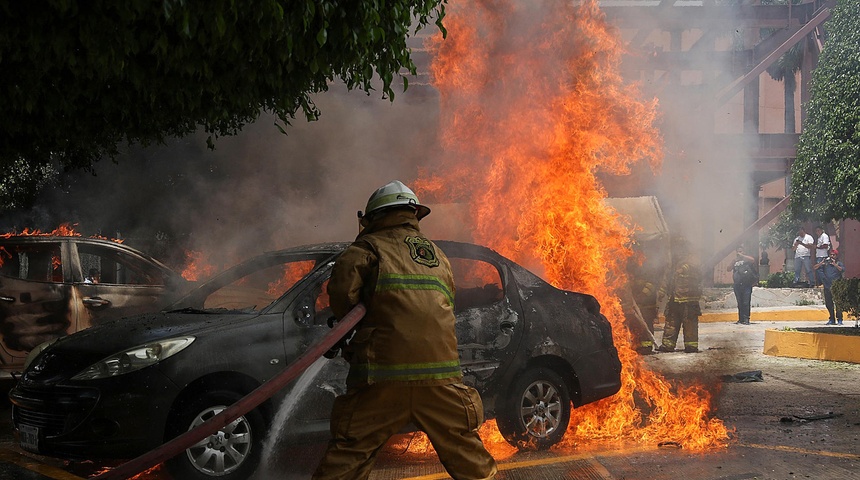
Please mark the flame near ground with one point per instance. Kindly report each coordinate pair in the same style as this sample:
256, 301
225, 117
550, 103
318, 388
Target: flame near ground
533, 107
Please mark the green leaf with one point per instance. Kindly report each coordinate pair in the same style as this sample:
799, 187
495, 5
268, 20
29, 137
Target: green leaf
139, 72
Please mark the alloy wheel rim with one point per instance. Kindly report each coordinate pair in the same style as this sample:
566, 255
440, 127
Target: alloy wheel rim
224, 451
540, 409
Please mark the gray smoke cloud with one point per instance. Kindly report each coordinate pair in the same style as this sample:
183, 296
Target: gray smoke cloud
260, 190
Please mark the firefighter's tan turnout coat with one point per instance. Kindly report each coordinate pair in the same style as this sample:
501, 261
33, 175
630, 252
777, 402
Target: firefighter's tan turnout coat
404, 365
407, 334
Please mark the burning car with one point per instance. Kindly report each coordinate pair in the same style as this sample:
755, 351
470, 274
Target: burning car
51, 286
122, 388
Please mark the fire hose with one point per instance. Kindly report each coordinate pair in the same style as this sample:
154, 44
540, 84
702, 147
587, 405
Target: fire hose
241, 407
638, 314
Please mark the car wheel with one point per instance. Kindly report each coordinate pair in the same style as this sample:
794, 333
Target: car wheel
231, 453
537, 411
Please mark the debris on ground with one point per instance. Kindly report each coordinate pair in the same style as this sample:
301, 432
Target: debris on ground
800, 419
743, 377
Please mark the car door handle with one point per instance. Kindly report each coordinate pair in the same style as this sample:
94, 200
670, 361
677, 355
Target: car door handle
96, 302
4, 298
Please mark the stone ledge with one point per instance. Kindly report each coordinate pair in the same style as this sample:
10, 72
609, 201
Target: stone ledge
814, 346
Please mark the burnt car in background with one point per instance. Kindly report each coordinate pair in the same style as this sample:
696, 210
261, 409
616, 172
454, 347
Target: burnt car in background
122, 388
54, 286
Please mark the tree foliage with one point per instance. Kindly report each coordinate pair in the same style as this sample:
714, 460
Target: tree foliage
780, 234
77, 79
824, 177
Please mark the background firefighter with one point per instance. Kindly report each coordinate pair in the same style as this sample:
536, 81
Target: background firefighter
404, 365
643, 280
683, 287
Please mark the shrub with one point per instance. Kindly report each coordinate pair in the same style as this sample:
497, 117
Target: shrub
780, 280
846, 294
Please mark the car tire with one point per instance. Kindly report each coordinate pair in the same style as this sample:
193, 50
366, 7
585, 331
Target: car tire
536, 412
232, 453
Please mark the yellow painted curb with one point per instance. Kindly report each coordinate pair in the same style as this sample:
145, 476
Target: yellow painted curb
805, 315
815, 346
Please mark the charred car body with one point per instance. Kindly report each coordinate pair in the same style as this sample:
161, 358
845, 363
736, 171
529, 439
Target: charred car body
54, 286
124, 387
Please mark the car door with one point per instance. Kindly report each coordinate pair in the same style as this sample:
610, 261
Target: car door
110, 282
308, 401
34, 298
488, 325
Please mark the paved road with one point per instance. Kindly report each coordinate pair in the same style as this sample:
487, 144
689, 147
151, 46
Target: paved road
780, 429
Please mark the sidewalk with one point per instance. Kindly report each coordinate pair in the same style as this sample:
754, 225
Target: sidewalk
773, 304
803, 307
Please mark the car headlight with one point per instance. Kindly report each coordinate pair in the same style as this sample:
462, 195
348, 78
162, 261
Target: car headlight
134, 359
36, 351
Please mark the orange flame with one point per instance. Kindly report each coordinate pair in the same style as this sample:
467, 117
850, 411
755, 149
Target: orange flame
534, 109
64, 230
197, 266
293, 272
146, 474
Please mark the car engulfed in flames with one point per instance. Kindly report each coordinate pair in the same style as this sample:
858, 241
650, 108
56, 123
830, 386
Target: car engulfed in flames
121, 388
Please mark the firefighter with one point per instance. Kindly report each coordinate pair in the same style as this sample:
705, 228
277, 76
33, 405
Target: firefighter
683, 288
639, 301
404, 365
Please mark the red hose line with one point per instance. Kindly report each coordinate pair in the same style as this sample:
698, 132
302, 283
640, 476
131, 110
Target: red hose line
241, 407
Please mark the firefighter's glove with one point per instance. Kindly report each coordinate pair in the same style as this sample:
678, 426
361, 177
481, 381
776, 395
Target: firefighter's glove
332, 352
341, 344
335, 349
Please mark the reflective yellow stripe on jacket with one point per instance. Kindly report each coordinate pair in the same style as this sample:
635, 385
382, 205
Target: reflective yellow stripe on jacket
406, 371
395, 281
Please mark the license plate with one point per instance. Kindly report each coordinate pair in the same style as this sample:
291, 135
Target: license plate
29, 437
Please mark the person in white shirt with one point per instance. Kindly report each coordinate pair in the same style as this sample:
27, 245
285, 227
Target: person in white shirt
822, 247
803, 245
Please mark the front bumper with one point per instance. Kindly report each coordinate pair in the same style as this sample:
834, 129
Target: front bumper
113, 418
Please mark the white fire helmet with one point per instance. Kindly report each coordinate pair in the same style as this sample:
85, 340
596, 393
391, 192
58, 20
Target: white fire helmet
392, 195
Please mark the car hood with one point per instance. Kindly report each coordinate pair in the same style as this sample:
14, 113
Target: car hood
70, 355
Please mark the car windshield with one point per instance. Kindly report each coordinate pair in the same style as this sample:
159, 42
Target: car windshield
256, 291
251, 287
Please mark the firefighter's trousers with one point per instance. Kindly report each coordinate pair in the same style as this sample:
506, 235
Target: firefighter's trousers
682, 315
641, 336
365, 418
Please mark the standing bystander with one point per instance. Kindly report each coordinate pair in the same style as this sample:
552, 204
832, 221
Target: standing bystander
831, 270
803, 244
822, 247
744, 277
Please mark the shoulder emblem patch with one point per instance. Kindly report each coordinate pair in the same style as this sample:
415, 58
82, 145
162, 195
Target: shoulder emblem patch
422, 252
